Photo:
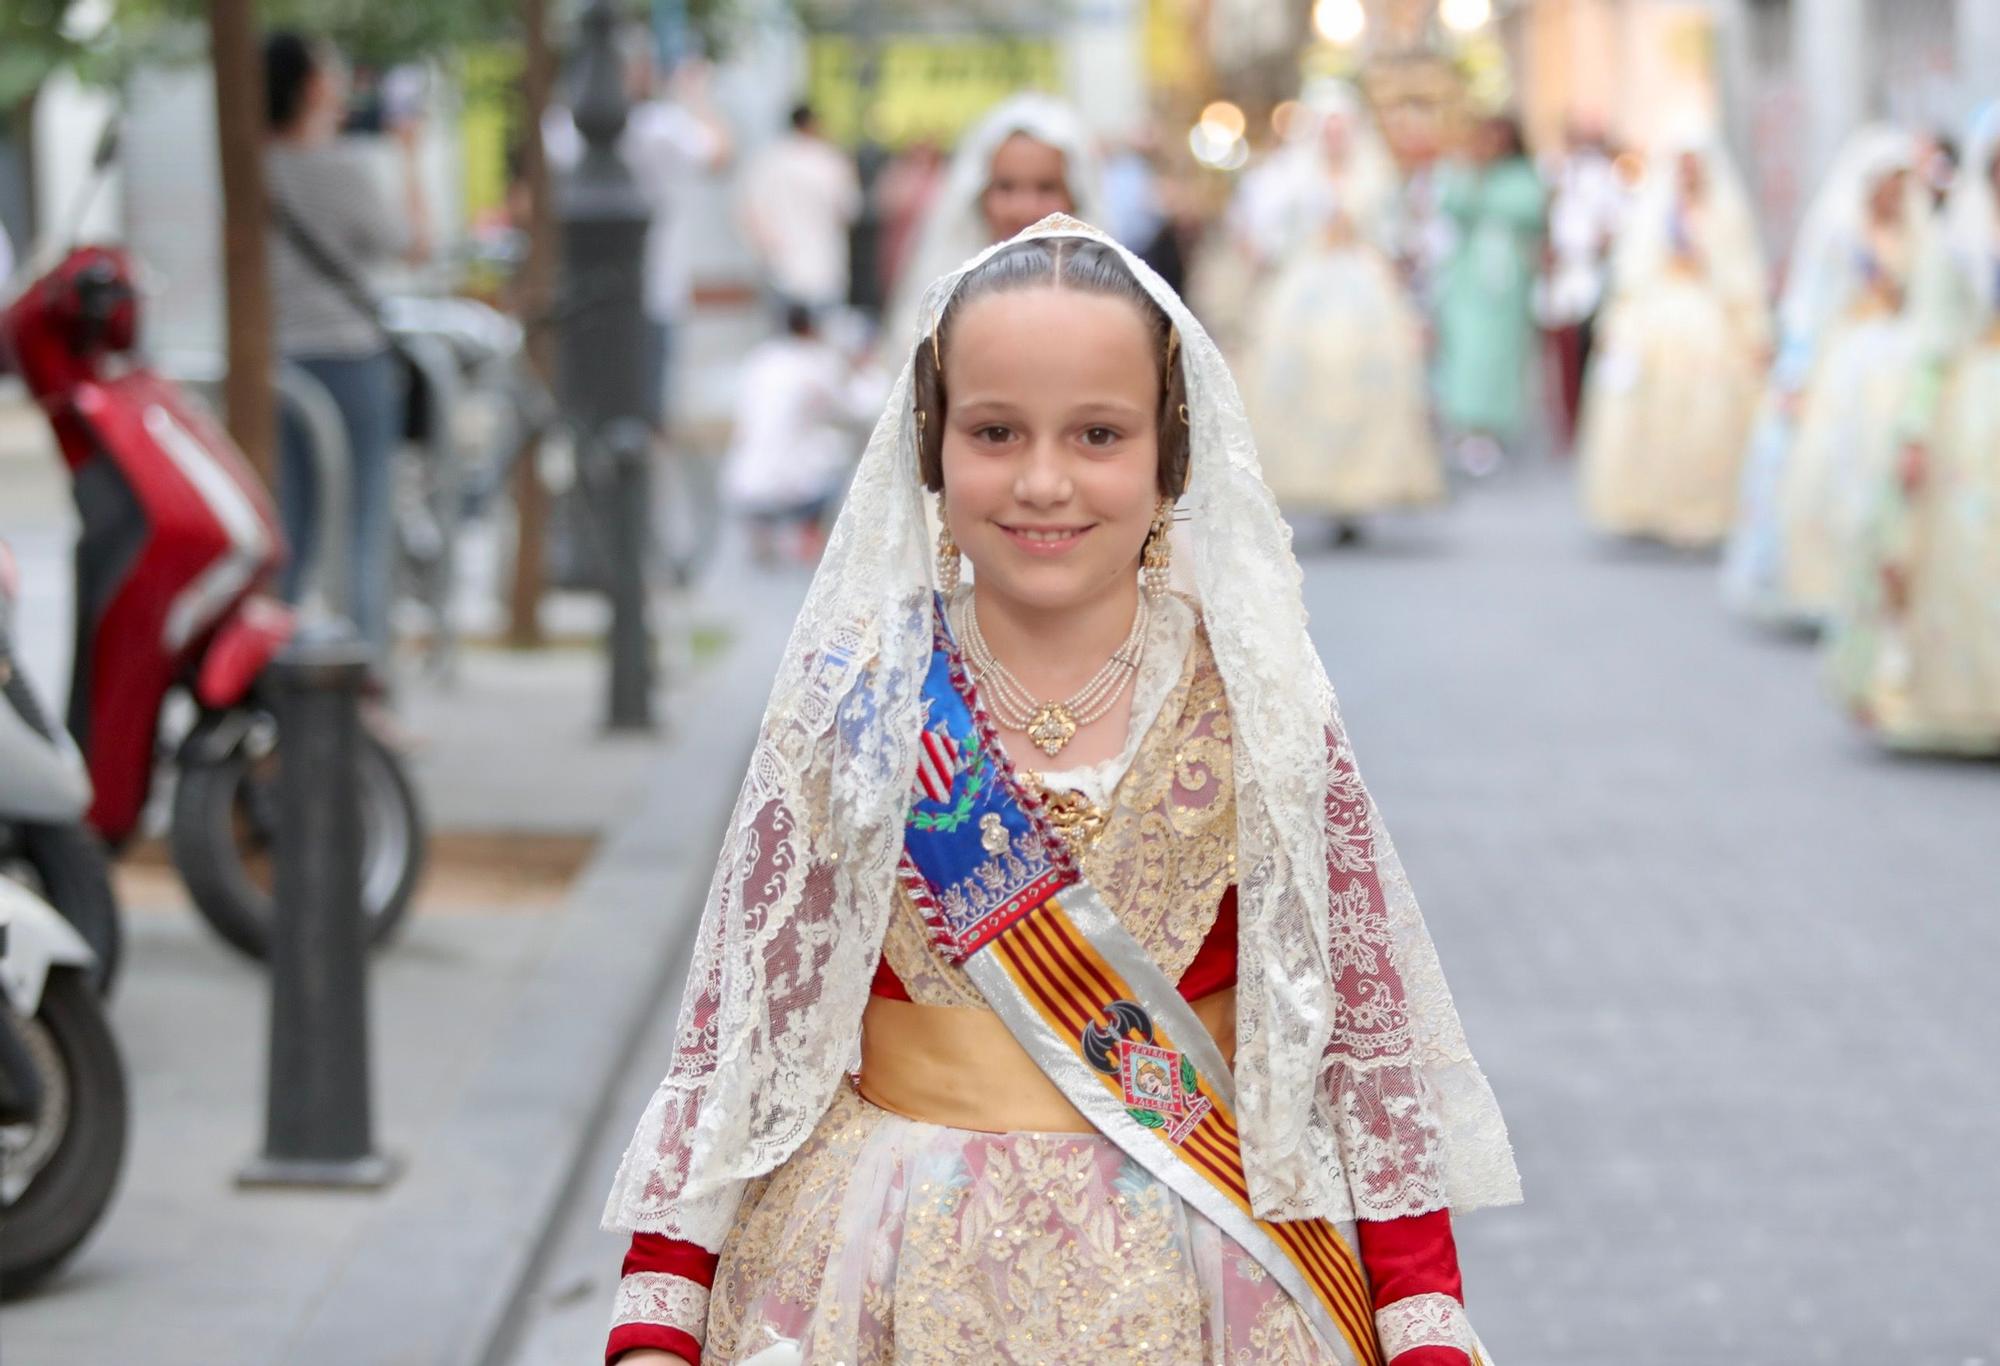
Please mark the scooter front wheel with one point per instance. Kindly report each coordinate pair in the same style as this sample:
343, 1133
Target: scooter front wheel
224, 838
58, 1170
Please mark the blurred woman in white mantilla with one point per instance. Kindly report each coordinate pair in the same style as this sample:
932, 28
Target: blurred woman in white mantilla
1027, 157
1841, 362
1914, 649
1335, 385
1673, 383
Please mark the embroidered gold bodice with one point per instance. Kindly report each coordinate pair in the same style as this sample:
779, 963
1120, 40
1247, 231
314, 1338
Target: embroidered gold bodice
1164, 855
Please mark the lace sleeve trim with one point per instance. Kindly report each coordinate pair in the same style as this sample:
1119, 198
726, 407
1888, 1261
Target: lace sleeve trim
664, 1300
1423, 1321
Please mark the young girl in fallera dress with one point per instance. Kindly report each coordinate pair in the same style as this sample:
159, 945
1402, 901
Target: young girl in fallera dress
1155, 1058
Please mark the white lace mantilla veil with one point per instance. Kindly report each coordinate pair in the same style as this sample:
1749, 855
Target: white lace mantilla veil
1645, 246
1366, 188
1357, 1092
1970, 243
954, 227
1824, 273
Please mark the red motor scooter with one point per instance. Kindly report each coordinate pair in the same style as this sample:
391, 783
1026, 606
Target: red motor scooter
179, 544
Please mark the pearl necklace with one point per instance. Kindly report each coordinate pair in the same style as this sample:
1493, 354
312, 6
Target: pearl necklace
1052, 725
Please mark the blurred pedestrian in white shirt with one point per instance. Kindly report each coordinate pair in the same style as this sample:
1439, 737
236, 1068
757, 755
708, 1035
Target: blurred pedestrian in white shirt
800, 197
1586, 211
801, 407
668, 144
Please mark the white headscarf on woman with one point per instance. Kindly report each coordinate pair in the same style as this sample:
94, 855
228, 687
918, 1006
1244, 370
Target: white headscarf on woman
1307, 189
1955, 287
1972, 214
1825, 270
1734, 258
1358, 1094
955, 227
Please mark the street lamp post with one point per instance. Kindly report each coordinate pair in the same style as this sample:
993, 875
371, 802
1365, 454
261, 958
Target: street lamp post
602, 375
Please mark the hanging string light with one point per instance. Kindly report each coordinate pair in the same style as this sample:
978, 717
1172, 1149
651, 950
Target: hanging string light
1465, 16
1217, 139
1341, 22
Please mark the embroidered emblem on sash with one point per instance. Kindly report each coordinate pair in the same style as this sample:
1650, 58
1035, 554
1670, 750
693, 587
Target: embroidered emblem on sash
974, 860
950, 775
1160, 1087
937, 764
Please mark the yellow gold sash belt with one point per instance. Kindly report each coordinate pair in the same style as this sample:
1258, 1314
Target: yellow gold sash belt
959, 1067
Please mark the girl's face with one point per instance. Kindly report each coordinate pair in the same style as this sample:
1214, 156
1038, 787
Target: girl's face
1333, 140
1885, 200
1693, 178
1027, 182
1051, 446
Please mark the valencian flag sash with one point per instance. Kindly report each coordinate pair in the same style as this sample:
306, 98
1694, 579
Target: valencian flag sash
1005, 901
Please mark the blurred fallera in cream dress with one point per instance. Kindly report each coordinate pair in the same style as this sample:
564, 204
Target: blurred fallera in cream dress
1335, 383
1673, 385
1914, 646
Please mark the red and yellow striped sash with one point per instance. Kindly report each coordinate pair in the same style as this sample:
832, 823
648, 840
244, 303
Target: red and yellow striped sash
1068, 983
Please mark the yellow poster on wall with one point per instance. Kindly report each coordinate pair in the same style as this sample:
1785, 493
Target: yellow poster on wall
487, 123
925, 87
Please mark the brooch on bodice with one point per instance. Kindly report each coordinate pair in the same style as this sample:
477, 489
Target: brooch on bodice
1073, 816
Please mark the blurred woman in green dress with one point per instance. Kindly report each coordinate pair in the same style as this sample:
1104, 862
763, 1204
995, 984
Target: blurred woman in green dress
1486, 332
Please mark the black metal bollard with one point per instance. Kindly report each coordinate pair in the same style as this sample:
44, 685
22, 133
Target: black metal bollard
607, 356
626, 450
318, 1120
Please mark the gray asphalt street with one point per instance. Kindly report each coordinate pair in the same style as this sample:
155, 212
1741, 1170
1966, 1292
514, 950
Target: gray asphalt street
1730, 969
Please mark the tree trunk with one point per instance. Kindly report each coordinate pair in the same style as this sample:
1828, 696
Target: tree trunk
236, 53
534, 296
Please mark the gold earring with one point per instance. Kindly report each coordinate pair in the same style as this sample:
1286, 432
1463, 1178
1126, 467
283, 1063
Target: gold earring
1156, 560
947, 553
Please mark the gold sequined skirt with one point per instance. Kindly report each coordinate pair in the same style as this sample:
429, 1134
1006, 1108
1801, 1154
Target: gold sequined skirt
885, 1239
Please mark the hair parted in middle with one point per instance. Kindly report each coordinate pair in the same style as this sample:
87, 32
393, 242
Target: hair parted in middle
1077, 263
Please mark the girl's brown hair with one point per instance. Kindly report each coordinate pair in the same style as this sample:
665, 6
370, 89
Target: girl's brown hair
1065, 263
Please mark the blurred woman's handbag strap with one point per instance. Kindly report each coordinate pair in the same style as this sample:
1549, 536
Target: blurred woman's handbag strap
336, 272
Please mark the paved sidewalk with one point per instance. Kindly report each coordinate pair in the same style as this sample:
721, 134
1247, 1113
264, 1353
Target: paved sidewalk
498, 1018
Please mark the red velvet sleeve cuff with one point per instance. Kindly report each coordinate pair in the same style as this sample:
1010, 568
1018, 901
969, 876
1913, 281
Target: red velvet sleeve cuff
662, 1298
1411, 1256
633, 1337
1419, 1295
1433, 1356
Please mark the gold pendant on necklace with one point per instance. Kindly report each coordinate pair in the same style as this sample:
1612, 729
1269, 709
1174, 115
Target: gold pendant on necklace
1052, 728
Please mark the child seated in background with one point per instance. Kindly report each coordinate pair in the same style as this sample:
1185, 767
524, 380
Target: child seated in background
801, 406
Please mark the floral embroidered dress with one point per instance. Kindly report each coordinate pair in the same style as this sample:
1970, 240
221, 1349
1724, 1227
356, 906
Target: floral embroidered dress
890, 1239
